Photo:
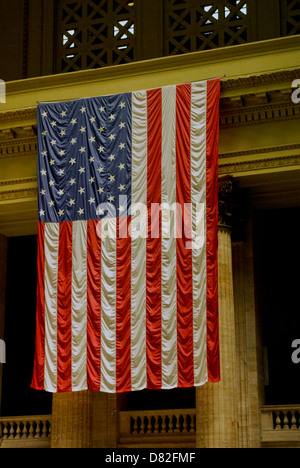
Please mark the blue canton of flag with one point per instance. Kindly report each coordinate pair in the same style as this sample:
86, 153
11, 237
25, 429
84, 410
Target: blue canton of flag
85, 158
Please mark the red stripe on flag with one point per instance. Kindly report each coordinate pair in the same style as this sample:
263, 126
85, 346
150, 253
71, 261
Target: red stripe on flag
123, 308
64, 305
153, 261
184, 254
39, 358
212, 143
94, 305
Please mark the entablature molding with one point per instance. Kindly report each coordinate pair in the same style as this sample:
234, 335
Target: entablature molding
238, 111
258, 108
260, 165
260, 80
18, 133
247, 106
15, 189
257, 160
18, 147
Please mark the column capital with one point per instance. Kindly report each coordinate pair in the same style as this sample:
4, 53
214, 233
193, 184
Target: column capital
233, 207
225, 202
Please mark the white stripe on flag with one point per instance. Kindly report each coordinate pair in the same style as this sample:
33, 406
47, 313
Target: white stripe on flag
51, 268
168, 241
79, 305
138, 242
198, 197
108, 304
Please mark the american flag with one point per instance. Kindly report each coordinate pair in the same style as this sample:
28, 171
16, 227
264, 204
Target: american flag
119, 308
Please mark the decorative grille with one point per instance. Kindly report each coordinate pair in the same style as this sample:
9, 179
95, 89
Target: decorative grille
192, 25
291, 17
93, 34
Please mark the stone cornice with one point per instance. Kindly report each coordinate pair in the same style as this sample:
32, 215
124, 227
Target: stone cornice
257, 151
252, 81
18, 148
18, 194
257, 108
238, 83
25, 180
259, 164
18, 189
259, 159
239, 110
18, 115
236, 66
206, 57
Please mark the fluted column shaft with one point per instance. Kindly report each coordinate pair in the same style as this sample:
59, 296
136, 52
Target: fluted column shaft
248, 342
216, 403
241, 341
84, 420
71, 425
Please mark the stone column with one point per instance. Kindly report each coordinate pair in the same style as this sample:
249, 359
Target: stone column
247, 341
216, 404
3, 260
71, 420
241, 340
84, 420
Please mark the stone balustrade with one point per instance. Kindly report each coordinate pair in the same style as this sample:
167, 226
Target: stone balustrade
172, 428
280, 426
25, 431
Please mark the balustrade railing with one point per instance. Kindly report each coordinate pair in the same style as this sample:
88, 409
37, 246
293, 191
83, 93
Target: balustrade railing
286, 420
25, 431
281, 425
174, 426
